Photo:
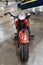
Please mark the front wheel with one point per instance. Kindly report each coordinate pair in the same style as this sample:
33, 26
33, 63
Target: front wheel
24, 52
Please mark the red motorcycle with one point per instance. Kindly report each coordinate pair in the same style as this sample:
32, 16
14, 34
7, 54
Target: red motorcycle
24, 39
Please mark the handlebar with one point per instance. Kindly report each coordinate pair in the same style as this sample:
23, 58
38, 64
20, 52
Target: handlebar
10, 15
27, 16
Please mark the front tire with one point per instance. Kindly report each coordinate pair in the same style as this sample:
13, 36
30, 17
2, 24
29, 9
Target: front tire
24, 52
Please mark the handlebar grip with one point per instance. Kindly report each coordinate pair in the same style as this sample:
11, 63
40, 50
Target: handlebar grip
33, 13
5, 14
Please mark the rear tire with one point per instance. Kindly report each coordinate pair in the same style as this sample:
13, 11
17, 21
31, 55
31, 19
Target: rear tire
24, 52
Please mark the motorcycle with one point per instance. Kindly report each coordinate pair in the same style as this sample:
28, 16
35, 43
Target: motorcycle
23, 41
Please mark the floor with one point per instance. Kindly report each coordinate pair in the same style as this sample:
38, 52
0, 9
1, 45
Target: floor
9, 54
